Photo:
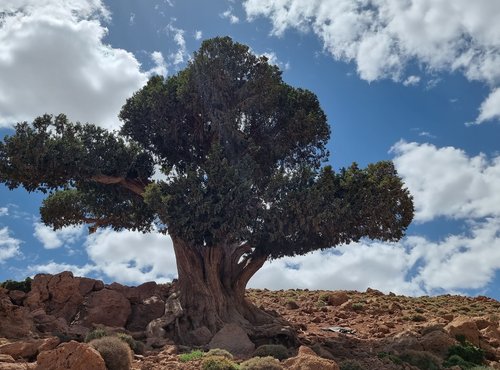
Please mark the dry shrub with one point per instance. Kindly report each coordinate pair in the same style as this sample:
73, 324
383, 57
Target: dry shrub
116, 353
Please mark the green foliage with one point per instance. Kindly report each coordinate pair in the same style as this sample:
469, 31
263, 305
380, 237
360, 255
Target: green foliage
393, 358
219, 352
350, 365
422, 360
24, 286
261, 363
193, 355
277, 351
218, 363
115, 352
358, 306
135, 346
418, 318
242, 149
465, 355
95, 334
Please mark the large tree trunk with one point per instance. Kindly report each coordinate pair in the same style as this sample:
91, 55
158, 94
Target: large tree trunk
211, 286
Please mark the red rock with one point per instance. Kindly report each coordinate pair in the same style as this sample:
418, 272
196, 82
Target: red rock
15, 321
337, 298
107, 307
233, 339
465, 326
17, 296
6, 358
30, 348
71, 356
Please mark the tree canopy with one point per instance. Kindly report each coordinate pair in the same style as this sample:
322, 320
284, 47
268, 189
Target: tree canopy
243, 156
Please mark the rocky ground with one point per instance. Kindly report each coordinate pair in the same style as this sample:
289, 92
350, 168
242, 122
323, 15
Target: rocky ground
345, 329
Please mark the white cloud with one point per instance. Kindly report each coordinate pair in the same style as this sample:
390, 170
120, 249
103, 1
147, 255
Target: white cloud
490, 108
9, 246
415, 266
160, 64
53, 60
272, 58
132, 257
198, 35
4, 211
383, 36
411, 81
181, 55
124, 256
228, 14
52, 239
448, 182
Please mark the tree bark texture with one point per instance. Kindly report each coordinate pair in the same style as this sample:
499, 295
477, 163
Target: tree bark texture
212, 283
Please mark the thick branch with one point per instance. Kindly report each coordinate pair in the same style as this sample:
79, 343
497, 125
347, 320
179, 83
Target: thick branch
250, 266
135, 186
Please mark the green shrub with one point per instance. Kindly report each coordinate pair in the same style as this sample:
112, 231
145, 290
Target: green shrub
95, 334
24, 286
358, 306
418, 318
350, 365
193, 355
261, 363
422, 360
115, 352
393, 358
455, 360
135, 346
468, 352
278, 351
218, 363
219, 352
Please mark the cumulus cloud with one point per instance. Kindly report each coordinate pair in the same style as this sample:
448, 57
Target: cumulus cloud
52, 239
447, 182
490, 108
181, 55
415, 266
383, 36
9, 246
160, 64
53, 60
198, 35
4, 211
228, 14
124, 256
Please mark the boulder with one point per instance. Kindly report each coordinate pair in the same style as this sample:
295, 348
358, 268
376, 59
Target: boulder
49, 323
307, 359
18, 366
337, 298
406, 340
464, 326
233, 339
144, 312
28, 349
71, 356
15, 321
437, 342
58, 295
106, 307
199, 336
17, 296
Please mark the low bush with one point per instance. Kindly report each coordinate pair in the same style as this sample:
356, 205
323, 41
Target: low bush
277, 351
261, 363
95, 334
422, 360
116, 353
465, 355
350, 365
193, 355
218, 363
136, 346
219, 352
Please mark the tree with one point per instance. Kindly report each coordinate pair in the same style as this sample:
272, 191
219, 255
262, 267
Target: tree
243, 154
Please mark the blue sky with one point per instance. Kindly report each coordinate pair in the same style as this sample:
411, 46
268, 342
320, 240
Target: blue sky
417, 82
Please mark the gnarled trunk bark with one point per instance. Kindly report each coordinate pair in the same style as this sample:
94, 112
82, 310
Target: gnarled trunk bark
211, 285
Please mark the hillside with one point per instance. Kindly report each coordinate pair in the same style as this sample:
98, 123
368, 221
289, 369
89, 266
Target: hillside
356, 330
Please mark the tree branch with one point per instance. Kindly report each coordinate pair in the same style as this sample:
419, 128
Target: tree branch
134, 186
250, 266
